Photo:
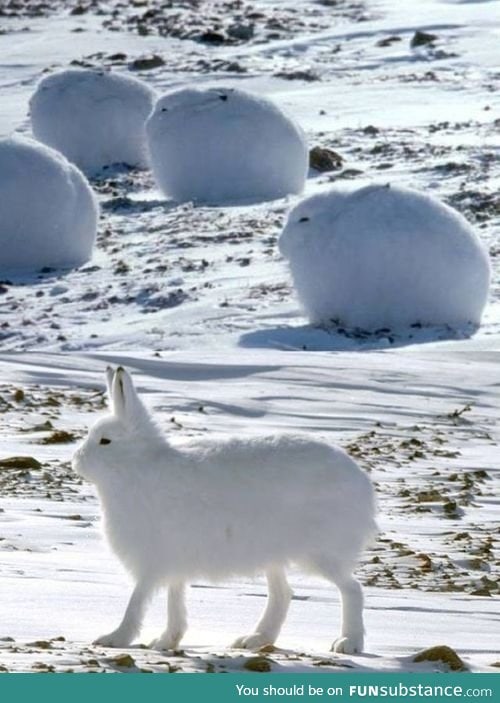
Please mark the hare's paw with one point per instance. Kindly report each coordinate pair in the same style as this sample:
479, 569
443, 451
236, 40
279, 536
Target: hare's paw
351, 644
116, 638
254, 641
168, 640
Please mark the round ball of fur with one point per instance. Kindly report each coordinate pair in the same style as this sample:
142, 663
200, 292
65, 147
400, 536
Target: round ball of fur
225, 145
385, 256
95, 118
48, 212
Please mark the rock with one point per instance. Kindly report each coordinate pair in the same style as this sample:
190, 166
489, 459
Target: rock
387, 41
260, 664
79, 10
124, 660
422, 39
243, 32
20, 463
146, 63
212, 37
323, 159
444, 654
307, 75
40, 644
59, 437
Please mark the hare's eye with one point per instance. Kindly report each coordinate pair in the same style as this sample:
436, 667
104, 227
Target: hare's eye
105, 441
304, 219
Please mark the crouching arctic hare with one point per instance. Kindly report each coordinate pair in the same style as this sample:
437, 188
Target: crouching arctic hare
220, 508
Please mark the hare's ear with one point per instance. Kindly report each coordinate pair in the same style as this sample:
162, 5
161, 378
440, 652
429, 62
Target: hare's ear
110, 373
126, 403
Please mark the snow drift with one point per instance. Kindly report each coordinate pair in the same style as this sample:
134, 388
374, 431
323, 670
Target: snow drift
385, 256
48, 212
224, 145
95, 118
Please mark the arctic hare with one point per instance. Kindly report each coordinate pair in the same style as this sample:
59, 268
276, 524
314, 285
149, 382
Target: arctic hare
215, 509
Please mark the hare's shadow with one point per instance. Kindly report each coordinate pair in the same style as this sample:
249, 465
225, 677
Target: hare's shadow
46, 274
337, 338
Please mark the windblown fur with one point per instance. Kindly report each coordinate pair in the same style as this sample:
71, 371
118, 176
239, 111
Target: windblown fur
214, 509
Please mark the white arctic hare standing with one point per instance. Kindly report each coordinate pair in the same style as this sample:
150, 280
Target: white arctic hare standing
214, 509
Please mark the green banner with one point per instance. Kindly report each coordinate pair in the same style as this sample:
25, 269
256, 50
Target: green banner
234, 688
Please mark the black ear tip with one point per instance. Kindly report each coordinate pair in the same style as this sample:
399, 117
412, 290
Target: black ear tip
120, 369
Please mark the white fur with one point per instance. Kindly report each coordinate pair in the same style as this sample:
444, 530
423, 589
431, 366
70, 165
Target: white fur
95, 118
385, 256
48, 212
225, 145
214, 509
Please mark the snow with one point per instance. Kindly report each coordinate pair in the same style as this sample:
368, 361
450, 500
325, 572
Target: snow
94, 117
400, 413
48, 212
385, 257
168, 276
223, 347
224, 145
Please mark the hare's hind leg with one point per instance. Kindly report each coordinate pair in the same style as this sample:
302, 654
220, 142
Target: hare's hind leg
273, 617
351, 635
132, 620
177, 619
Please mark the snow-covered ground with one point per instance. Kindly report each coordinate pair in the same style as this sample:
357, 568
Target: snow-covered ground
425, 426
205, 300
170, 277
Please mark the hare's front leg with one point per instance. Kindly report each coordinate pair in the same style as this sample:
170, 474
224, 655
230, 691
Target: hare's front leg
273, 617
132, 620
177, 619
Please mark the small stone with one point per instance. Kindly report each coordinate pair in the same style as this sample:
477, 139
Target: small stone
79, 10
146, 63
212, 37
444, 654
59, 437
307, 75
40, 644
323, 159
387, 41
243, 32
20, 462
124, 660
260, 664
422, 39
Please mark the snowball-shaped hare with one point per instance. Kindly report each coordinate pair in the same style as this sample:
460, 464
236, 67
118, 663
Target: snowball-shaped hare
95, 118
216, 509
225, 145
385, 256
48, 212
